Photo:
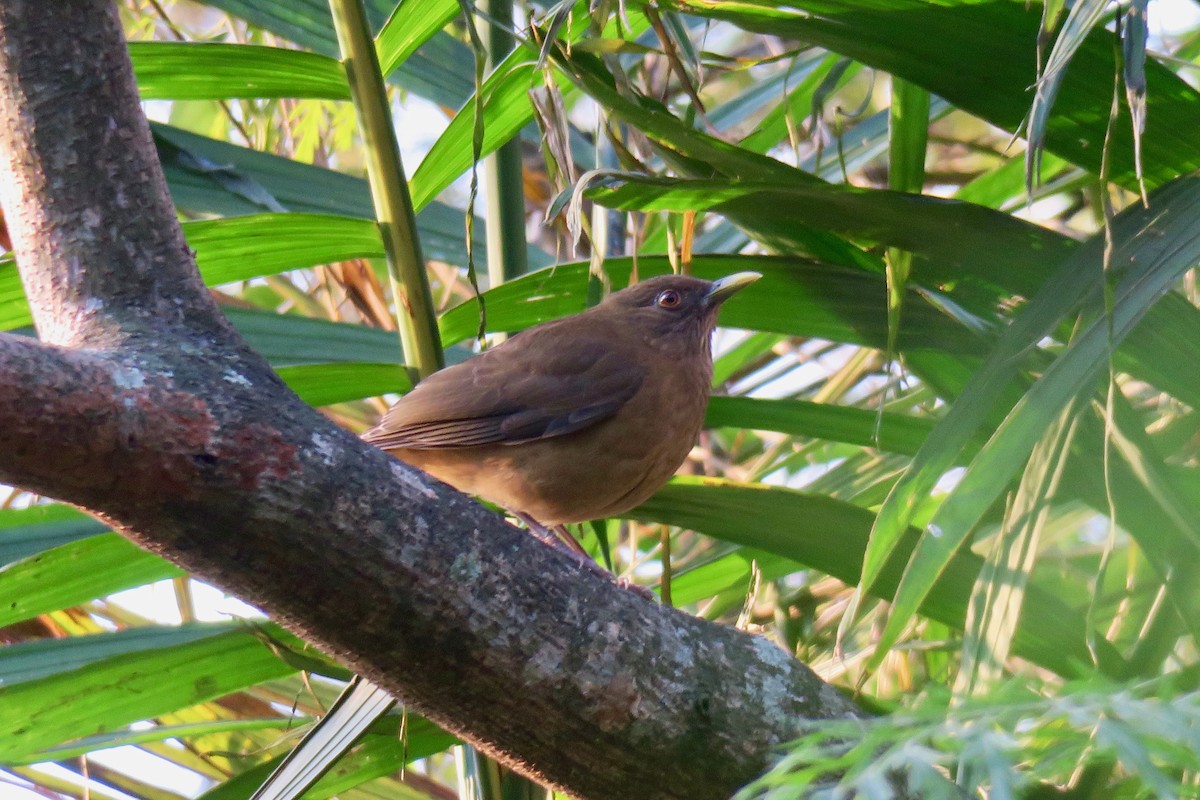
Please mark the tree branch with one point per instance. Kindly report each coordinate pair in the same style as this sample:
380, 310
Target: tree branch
86, 202
142, 406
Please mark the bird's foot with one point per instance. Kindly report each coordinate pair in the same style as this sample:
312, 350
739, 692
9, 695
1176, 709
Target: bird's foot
625, 583
560, 538
557, 537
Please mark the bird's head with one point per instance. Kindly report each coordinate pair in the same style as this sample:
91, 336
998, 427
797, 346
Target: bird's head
677, 312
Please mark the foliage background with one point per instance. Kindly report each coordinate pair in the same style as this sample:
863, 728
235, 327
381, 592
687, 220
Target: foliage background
953, 465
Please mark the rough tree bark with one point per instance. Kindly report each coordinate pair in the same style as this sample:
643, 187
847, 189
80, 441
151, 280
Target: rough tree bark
141, 405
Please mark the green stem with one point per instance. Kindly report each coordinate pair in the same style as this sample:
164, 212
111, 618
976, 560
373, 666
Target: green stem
389, 190
908, 137
506, 246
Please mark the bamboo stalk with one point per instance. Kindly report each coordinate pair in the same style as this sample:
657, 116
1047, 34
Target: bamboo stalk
415, 317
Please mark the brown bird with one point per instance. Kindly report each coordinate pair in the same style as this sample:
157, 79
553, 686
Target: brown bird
575, 419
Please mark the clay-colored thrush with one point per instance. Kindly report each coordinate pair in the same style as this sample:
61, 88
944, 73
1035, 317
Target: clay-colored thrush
575, 419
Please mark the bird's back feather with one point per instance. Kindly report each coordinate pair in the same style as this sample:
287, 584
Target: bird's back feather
582, 374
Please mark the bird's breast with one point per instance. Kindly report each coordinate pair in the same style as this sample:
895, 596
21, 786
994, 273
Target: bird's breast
600, 471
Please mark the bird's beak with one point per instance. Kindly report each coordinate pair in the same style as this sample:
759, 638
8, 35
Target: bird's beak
721, 290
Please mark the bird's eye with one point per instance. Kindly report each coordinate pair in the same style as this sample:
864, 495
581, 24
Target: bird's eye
668, 299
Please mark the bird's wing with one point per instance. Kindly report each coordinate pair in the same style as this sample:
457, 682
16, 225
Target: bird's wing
549, 381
